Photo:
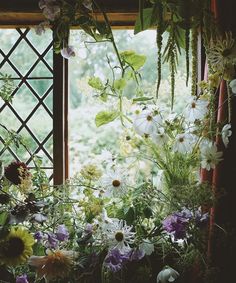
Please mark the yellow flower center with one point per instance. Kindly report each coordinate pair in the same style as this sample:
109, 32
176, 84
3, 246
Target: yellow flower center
149, 118
193, 105
119, 236
116, 183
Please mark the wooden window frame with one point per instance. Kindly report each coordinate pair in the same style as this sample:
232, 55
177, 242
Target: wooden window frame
27, 14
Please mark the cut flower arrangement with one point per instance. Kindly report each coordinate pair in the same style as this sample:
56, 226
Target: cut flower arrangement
138, 215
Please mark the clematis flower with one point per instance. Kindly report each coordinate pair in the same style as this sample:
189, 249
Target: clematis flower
168, 274
119, 235
22, 279
196, 109
68, 52
226, 133
210, 157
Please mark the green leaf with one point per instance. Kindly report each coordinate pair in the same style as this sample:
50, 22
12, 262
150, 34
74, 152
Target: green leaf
144, 98
96, 83
3, 217
103, 96
120, 84
146, 22
105, 117
38, 249
136, 61
130, 215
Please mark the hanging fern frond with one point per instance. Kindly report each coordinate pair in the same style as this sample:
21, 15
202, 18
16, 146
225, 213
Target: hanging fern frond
194, 60
160, 30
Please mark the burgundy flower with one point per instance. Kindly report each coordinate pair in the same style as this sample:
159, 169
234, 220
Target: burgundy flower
16, 171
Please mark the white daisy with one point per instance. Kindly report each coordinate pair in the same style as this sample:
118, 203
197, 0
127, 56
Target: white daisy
226, 133
147, 122
196, 109
114, 183
183, 143
168, 274
120, 236
210, 157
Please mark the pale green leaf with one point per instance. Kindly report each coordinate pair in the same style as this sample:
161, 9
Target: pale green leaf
136, 61
120, 84
96, 83
105, 117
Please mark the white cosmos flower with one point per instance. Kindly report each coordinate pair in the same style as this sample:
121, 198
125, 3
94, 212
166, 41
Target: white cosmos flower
119, 235
114, 183
196, 109
160, 137
183, 143
210, 157
147, 247
168, 274
147, 122
226, 133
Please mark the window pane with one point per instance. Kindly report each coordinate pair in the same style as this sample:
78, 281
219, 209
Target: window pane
28, 59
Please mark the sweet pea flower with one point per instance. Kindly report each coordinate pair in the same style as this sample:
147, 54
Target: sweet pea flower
62, 233
168, 274
22, 279
226, 133
68, 52
232, 84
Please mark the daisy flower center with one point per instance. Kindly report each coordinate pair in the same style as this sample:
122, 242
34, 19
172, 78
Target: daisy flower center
226, 52
116, 183
193, 105
149, 118
14, 247
181, 139
119, 236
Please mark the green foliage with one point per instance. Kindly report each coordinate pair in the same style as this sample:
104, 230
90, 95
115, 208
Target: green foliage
105, 117
134, 60
96, 83
6, 88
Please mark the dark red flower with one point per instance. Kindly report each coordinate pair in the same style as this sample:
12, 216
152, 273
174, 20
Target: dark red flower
16, 171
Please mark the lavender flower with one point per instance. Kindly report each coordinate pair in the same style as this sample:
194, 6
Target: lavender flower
62, 233
115, 260
22, 279
68, 52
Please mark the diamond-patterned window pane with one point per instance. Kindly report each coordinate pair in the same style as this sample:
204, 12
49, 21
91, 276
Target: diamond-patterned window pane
28, 59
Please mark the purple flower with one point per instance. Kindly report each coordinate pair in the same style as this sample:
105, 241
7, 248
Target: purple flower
50, 9
68, 52
62, 233
176, 224
52, 241
38, 236
115, 260
136, 255
88, 229
22, 279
